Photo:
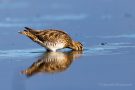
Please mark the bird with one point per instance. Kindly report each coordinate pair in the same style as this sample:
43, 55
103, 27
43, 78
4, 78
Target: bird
52, 62
52, 39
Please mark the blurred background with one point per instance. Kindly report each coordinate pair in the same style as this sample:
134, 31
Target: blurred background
85, 18
91, 22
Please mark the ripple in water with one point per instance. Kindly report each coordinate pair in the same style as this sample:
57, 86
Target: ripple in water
119, 36
19, 53
109, 49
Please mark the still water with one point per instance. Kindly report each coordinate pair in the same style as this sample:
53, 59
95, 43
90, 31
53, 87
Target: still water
105, 27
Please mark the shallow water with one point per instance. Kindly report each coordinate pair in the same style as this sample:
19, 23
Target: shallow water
105, 27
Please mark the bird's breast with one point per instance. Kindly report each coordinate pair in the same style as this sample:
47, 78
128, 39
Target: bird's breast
53, 46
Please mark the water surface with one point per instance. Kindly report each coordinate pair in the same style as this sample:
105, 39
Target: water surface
105, 27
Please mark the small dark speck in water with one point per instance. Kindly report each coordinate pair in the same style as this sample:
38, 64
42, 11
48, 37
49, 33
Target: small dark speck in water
103, 43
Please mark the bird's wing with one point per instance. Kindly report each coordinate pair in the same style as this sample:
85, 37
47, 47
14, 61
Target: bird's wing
53, 35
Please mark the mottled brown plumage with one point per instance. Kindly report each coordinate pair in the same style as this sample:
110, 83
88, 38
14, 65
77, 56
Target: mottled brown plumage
52, 39
52, 62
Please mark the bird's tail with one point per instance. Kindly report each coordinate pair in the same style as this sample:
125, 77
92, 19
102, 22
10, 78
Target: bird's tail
31, 30
27, 28
29, 33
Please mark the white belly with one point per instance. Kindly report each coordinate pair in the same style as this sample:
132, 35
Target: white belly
54, 46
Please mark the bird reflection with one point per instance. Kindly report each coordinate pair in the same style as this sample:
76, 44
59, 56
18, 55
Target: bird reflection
52, 62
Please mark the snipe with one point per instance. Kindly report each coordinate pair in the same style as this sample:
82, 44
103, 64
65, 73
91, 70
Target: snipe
52, 40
